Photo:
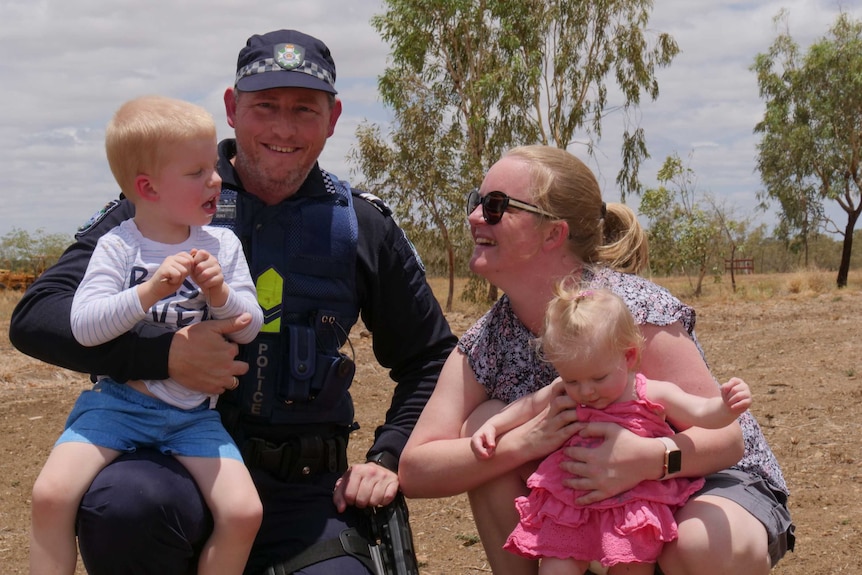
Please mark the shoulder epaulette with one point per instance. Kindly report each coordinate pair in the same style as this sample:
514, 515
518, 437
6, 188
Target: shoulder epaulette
97, 217
374, 201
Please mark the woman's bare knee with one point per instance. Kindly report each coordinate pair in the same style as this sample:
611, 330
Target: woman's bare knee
495, 520
716, 536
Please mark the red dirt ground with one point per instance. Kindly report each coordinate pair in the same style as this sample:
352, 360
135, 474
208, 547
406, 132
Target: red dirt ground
800, 353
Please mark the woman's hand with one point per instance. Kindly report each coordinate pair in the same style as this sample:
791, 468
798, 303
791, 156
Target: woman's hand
551, 428
623, 460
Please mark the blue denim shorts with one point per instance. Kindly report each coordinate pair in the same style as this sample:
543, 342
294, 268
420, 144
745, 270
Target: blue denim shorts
118, 417
754, 494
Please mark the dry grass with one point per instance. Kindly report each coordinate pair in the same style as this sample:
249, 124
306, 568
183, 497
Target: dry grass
762, 287
749, 288
8, 299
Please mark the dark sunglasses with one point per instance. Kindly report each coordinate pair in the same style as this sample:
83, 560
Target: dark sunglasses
495, 204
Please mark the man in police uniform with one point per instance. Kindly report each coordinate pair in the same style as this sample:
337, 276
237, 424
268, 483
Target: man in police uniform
321, 254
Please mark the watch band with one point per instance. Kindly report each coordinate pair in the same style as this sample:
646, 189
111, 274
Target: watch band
672, 457
384, 459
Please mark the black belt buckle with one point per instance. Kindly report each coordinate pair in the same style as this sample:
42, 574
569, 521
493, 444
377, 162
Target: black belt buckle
297, 459
311, 454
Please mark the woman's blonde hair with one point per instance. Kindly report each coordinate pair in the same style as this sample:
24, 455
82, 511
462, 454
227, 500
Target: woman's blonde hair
138, 135
563, 185
580, 321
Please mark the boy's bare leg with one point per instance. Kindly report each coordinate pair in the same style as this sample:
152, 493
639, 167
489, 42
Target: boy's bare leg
57, 493
236, 509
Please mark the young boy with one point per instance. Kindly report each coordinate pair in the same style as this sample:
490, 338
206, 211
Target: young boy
165, 267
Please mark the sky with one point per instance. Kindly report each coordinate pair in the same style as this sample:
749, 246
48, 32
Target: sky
67, 66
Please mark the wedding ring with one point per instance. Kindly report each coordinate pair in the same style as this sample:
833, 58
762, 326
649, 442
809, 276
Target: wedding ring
235, 384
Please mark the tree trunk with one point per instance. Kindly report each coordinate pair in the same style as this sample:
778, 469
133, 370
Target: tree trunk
701, 273
449, 297
733, 267
493, 293
847, 248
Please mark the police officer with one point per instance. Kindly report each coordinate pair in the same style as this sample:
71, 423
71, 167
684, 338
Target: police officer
321, 254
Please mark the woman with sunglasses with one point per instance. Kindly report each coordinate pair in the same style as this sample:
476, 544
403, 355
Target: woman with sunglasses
537, 218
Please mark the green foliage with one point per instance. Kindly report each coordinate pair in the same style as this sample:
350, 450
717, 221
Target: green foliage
685, 235
468, 80
416, 169
476, 291
657, 204
811, 132
525, 71
22, 251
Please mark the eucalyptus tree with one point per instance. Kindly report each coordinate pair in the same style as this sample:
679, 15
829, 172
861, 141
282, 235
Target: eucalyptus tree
735, 233
509, 72
32, 252
811, 133
527, 71
684, 234
429, 208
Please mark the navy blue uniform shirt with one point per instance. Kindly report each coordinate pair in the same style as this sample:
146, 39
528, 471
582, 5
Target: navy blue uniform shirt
411, 336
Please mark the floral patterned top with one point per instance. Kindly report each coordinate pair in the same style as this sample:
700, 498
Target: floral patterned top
500, 351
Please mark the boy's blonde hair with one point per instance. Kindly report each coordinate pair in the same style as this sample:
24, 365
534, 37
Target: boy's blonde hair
140, 131
581, 321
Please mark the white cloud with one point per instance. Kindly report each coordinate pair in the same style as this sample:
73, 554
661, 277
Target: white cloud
68, 65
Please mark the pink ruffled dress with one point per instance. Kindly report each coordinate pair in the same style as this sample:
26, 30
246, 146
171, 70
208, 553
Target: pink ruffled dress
631, 527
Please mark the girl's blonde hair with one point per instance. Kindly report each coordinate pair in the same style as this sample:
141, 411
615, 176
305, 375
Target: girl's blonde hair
138, 137
563, 185
581, 321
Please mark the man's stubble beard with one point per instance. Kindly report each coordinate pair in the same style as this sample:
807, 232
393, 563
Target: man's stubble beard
269, 189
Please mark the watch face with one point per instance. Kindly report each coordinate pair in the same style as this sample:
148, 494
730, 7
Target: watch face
674, 461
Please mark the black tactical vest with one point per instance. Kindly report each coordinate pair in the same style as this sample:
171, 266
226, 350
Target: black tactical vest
302, 256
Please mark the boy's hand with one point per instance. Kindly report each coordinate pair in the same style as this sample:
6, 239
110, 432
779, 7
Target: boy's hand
209, 277
172, 271
206, 271
736, 395
166, 280
484, 442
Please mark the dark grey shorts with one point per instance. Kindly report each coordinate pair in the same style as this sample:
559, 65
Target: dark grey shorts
754, 494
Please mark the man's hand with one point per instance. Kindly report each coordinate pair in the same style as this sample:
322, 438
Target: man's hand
201, 359
365, 485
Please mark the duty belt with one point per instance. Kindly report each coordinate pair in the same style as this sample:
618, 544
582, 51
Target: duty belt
299, 458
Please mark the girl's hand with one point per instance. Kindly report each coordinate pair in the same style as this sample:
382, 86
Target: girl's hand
620, 462
484, 441
736, 395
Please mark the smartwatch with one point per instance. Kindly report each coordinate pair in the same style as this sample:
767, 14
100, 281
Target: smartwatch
672, 457
384, 459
